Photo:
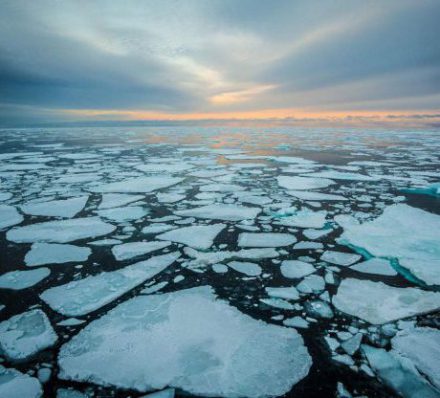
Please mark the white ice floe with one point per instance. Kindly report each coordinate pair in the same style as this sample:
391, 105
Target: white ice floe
265, 239
138, 184
110, 200
403, 232
24, 335
304, 218
303, 183
86, 295
399, 373
9, 216
293, 269
421, 345
129, 250
377, 266
169, 197
14, 384
65, 208
249, 269
208, 258
340, 258
121, 214
313, 196
164, 167
60, 231
17, 280
157, 228
221, 212
378, 303
287, 293
339, 175
198, 236
54, 253
278, 303
206, 352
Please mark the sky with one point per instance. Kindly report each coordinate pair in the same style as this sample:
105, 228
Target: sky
352, 60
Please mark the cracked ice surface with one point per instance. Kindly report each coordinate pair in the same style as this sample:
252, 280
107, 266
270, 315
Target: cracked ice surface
210, 360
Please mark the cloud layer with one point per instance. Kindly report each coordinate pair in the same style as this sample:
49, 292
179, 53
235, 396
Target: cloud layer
195, 57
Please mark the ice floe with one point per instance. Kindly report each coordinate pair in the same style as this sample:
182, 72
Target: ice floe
221, 212
377, 266
66, 208
265, 239
303, 183
207, 350
54, 253
86, 295
17, 280
378, 303
110, 200
23, 335
249, 269
9, 216
14, 384
61, 231
138, 184
126, 251
340, 258
197, 236
293, 269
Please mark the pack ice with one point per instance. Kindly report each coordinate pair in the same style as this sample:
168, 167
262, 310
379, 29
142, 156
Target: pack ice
409, 234
88, 294
191, 341
60, 231
9, 216
221, 212
378, 303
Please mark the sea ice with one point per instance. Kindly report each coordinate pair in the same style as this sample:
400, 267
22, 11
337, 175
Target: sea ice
121, 214
198, 236
339, 175
14, 384
138, 184
221, 212
378, 303
340, 258
111, 200
54, 253
376, 266
129, 250
86, 295
60, 231
23, 335
305, 195
304, 218
206, 352
265, 239
9, 216
287, 293
65, 208
293, 269
17, 280
249, 269
303, 183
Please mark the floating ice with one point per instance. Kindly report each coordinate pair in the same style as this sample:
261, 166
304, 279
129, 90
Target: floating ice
265, 239
221, 188
198, 236
60, 231
398, 373
403, 232
378, 303
287, 293
14, 384
164, 167
249, 269
88, 294
121, 214
138, 184
54, 253
221, 212
23, 335
376, 266
157, 228
169, 197
278, 303
340, 258
9, 216
304, 219
303, 183
339, 175
293, 269
66, 208
207, 350
111, 200
305, 195
18, 280
421, 346
126, 251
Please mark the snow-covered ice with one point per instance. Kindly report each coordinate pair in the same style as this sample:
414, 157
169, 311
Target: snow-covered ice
55, 253
221, 212
14, 384
66, 208
207, 350
265, 239
18, 280
86, 295
199, 237
138, 185
303, 183
340, 258
9, 216
126, 251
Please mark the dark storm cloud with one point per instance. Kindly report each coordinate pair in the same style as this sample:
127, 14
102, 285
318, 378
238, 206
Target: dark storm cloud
214, 56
